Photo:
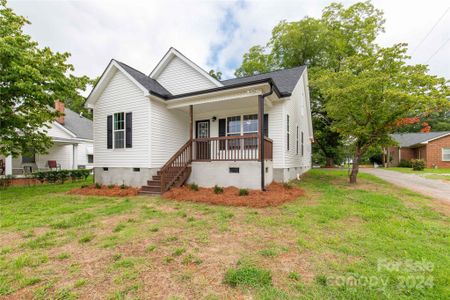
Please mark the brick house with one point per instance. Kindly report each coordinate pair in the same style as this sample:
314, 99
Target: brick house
433, 147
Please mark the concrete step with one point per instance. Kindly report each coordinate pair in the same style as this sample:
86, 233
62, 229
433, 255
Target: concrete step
147, 188
149, 193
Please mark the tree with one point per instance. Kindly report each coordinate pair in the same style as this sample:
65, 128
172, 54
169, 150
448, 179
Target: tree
31, 78
372, 92
216, 74
321, 44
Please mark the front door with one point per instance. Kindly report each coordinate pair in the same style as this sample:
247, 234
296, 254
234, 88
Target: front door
203, 147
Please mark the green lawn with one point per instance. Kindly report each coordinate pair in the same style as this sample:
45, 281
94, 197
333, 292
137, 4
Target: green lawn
368, 241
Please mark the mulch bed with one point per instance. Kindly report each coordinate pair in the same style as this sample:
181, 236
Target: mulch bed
276, 194
114, 191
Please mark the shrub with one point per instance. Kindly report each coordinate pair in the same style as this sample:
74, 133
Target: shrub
98, 185
110, 186
62, 175
41, 176
404, 163
243, 192
123, 186
218, 189
193, 187
418, 164
248, 276
5, 182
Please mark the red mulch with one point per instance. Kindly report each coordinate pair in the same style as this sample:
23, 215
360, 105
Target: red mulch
276, 194
114, 191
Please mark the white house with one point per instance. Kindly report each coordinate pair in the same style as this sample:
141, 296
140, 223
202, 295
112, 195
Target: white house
72, 147
179, 124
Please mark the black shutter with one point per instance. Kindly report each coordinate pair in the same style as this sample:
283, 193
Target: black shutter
266, 125
222, 132
109, 132
128, 130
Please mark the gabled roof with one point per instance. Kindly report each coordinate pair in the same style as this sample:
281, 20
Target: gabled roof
80, 126
412, 139
171, 53
285, 80
149, 83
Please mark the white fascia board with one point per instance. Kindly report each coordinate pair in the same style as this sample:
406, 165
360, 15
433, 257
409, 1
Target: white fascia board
254, 90
54, 123
174, 52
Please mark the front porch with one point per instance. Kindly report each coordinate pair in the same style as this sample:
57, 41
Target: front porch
228, 143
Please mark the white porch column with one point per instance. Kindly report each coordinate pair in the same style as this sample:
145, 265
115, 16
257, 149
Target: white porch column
8, 165
75, 156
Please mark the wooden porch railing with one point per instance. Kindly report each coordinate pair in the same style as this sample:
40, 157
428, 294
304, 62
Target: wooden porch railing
177, 168
268, 148
234, 148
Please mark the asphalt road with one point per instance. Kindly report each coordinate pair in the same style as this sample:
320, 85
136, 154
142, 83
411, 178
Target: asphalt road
429, 187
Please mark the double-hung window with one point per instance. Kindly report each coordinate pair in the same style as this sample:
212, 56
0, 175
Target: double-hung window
119, 130
445, 154
296, 141
233, 129
250, 127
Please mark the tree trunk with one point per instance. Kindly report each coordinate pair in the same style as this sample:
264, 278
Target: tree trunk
355, 167
329, 162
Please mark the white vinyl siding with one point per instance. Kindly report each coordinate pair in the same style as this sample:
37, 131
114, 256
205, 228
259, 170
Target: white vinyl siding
122, 95
179, 78
170, 131
296, 107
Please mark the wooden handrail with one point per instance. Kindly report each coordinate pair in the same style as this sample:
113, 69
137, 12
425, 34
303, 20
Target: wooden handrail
176, 166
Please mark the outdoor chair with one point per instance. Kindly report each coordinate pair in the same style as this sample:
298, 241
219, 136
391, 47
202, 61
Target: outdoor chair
53, 165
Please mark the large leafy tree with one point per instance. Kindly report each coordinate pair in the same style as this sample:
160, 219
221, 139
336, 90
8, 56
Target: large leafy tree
372, 92
322, 44
31, 79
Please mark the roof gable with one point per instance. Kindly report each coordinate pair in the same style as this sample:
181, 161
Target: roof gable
180, 75
412, 139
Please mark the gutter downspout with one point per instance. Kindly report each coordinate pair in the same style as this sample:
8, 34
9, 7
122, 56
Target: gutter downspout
261, 133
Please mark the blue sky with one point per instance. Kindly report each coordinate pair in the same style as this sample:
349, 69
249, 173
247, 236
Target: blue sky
214, 34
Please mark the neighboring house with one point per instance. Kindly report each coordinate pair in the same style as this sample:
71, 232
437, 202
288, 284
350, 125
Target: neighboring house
180, 124
433, 147
72, 147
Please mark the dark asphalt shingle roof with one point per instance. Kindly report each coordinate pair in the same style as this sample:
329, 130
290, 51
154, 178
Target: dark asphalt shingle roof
411, 139
78, 125
147, 82
285, 80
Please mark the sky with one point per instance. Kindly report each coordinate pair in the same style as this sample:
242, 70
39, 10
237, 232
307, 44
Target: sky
213, 34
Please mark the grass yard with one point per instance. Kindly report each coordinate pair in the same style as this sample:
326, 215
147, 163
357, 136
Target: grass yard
441, 174
368, 241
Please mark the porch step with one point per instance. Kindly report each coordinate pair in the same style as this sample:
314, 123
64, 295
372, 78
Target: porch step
151, 188
153, 183
142, 192
156, 177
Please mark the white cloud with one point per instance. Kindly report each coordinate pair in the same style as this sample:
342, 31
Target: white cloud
140, 32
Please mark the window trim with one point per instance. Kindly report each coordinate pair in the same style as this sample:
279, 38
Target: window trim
442, 153
303, 144
288, 134
119, 130
296, 141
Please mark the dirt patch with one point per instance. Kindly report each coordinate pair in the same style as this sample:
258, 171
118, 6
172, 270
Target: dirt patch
114, 191
276, 194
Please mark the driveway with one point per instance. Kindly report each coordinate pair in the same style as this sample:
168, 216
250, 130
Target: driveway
429, 187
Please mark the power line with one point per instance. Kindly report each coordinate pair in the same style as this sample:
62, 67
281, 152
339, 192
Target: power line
437, 51
431, 30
